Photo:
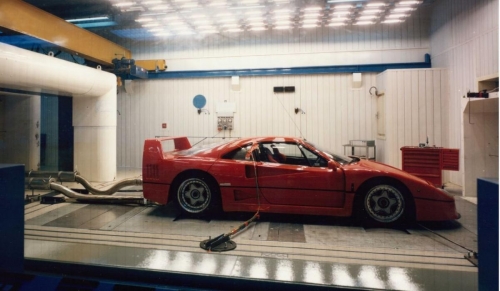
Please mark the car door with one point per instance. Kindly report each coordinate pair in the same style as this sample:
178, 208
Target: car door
291, 174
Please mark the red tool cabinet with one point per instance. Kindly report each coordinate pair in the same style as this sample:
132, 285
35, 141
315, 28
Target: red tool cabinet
428, 163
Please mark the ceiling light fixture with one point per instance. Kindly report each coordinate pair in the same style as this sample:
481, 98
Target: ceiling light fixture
396, 15
337, 19
337, 24
234, 30
343, 7
151, 24
392, 21
364, 22
282, 27
124, 4
246, 7
160, 7
409, 2
365, 17
309, 25
147, 19
257, 28
402, 9
88, 19
344, 1
152, 2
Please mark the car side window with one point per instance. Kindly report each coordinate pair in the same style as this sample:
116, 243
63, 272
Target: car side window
289, 153
236, 154
314, 159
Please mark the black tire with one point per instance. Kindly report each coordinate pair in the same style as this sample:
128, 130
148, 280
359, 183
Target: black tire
385, 204
198, 196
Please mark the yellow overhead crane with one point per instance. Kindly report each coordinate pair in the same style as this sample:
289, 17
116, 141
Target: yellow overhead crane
19, 16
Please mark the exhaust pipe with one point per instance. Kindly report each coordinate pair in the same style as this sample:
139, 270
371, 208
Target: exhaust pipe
40, 181
100, 198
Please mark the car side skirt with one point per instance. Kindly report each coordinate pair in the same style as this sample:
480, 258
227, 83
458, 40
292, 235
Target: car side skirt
247, 206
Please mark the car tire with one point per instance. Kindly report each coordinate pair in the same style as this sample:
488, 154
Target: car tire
197, 196
385, 204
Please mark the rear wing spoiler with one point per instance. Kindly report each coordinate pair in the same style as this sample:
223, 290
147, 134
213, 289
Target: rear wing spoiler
153, 153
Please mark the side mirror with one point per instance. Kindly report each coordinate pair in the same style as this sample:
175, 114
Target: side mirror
332, 165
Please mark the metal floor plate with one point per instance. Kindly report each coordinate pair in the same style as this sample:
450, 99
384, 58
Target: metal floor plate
321, 251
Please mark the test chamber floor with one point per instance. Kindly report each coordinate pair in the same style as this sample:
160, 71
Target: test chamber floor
303, 249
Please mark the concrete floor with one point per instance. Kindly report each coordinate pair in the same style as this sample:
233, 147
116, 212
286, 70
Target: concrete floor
291, 248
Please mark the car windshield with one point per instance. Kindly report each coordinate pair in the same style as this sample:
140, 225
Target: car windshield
341, 159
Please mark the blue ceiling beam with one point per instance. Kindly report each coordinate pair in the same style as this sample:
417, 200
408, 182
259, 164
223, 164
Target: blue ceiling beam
368, 68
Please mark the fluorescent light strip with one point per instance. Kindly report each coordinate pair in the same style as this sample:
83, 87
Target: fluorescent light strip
366, 17
337, 24
409, 2
124, 4
396, 15
402, 9
392, 21
282, 27
206, 27
364, 22
344, 1
246, 7
234, 30
148, 19
309, 21
150, 25
343, 7
152, 2
309, 25
160, 7
337, 19
88, 19
258, 28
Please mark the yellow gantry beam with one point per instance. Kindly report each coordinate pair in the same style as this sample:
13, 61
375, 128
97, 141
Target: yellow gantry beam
24, 18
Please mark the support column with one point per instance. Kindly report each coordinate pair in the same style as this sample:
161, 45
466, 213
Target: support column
94, 122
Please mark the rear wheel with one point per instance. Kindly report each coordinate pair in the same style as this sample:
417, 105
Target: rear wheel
197, 196
385, 204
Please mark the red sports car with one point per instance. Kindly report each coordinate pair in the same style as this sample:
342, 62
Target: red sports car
285, 175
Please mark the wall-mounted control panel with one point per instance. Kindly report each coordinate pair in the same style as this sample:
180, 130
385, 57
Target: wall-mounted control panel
225, 123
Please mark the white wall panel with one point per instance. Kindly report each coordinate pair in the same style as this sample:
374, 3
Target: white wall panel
464, 39
334, 112
413, 111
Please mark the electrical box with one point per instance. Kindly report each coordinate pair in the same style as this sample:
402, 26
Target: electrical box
225, 115
225, 123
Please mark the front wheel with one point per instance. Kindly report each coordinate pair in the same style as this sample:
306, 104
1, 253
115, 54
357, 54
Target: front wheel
196, 196
384, 204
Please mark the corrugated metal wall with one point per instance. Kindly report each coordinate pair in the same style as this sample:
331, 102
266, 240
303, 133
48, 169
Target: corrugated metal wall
464, 39
414, 111
334, 112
